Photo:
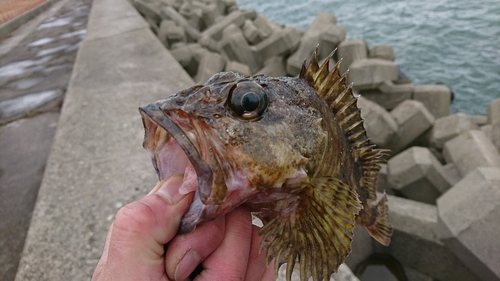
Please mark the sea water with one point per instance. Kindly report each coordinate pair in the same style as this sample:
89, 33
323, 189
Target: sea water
455, 42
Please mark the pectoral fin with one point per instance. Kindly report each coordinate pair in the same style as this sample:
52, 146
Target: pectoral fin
317, 232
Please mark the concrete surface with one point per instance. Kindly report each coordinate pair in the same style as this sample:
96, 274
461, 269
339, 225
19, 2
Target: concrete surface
35, 69
388, 94
25, 146
448, 127
344, 274
35, 73
418, 175
413, 120
470, 231
11, 25
24, 30
415, 242
351, 51
470, 150
370, 73
380, 126
97, 163
493, 111
436, 98
382, 52
323, 22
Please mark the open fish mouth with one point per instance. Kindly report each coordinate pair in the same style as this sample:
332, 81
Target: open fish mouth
174, 151
162, 131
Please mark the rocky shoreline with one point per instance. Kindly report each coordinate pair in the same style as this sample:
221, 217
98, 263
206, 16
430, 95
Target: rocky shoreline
448, 161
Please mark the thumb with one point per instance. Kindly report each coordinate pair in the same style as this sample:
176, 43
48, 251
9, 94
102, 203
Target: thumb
135, 245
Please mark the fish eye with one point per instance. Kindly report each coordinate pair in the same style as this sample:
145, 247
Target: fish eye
248, 100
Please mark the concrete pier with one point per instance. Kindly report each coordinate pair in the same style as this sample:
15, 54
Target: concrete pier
97, 163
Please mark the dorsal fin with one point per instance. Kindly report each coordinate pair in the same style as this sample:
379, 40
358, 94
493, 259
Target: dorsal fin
331, 87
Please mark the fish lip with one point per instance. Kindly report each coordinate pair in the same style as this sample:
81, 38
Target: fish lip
153, 113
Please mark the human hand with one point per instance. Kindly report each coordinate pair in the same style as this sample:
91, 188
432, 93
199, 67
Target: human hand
142, 243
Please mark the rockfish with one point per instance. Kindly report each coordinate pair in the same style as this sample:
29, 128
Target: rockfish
293, 150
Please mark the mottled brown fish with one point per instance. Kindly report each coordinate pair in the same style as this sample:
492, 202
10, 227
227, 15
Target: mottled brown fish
294, 150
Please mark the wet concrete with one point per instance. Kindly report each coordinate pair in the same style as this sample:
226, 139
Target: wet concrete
24, 148
34, 76
44, 59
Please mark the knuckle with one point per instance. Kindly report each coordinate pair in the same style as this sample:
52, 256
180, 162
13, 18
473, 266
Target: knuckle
135, 218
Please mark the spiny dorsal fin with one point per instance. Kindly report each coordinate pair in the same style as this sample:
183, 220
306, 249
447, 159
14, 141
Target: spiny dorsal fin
331, 87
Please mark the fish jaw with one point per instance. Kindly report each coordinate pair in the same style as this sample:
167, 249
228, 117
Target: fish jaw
164, 138
195, 151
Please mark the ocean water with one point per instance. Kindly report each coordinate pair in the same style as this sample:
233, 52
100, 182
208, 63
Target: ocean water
455, 42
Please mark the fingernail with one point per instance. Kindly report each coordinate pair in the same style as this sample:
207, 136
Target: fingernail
187, 265
170, 190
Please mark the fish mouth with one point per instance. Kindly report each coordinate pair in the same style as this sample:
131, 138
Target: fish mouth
175, 150
154, 119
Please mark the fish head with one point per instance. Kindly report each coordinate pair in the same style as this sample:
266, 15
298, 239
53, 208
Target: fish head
232, 138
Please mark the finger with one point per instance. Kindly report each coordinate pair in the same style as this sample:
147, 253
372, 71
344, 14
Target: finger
104, 258
269, 274
230, 259
256, 262
185, 252
141, 228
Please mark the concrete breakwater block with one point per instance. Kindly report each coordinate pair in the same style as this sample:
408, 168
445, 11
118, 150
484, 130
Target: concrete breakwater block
488, 130
321, 24
448, 127
344, 274
452, 174
382, 52
413, 120
169, 13
436, 98
380, 125
470, 150
252, 33
330, 39
209, 63
418, 175
238, 68
236, 47
471, 231
243, 39
275, 66
215, 31
415, 242
495, 135
389, 94
170, 33
493, 118
210, 12
351, 51
493, 112
281, 42
150, 9
383, 181
185, 57
369, 73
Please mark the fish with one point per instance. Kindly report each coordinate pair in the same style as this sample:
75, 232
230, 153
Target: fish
293, 150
